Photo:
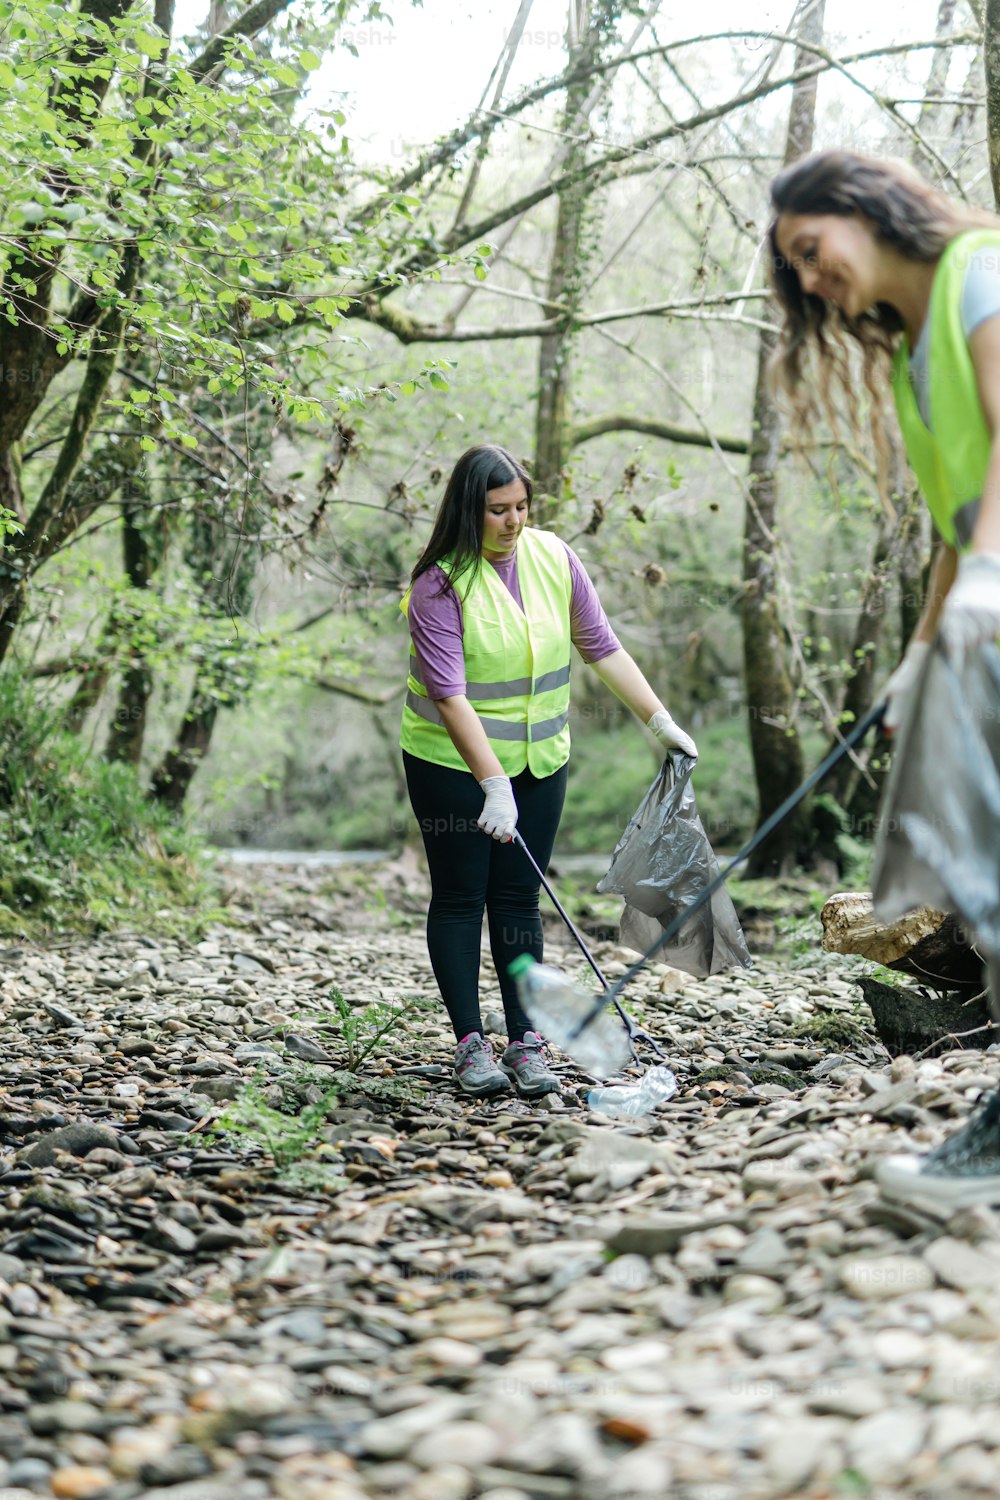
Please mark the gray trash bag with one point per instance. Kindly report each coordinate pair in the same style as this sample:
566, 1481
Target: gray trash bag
661, 863
937, 839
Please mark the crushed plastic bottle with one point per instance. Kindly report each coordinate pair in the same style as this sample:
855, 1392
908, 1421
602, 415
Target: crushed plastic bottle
556, 1005
627, 1100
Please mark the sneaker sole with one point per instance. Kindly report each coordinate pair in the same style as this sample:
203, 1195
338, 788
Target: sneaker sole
483, 1090
544, 1085
900, 1177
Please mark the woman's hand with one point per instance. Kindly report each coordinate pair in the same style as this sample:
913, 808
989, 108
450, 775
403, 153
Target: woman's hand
499, 815
670, 735
620, 673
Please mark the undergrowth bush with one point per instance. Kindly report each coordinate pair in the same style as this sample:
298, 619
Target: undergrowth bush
81, 848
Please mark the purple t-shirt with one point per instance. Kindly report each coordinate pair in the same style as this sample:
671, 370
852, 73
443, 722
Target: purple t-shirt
435, 621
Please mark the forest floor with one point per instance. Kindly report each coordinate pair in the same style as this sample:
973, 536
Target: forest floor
400, 1292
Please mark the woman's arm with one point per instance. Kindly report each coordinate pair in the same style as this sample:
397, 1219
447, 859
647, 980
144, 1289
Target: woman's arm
468, 736
620, 673
943, 570
984, 347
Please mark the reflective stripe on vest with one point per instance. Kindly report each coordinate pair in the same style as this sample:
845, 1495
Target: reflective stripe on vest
510, 689
949, 459
496, 729
517, 665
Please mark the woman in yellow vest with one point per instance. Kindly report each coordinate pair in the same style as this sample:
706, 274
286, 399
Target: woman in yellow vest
494, 608
869, 261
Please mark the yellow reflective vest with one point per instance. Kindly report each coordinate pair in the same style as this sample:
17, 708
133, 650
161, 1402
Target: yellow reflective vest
950, 460
517, 664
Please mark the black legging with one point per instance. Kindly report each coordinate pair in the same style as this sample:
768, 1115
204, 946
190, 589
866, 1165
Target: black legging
471, 872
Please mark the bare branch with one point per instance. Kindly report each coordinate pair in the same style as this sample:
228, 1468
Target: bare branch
246, 24
585, 432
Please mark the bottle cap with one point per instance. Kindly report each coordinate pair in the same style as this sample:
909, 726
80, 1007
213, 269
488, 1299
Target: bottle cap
520, 965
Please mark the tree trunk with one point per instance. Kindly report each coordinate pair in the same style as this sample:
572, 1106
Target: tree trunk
128, 726
173, 776
61, 508
771, 702
89, 690
584, 35
991, 59
227, 568
859, 691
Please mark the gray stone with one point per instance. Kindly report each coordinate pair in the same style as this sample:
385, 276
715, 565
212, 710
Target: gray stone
181, 1463
879, 1278
765, 1253
169, 1235
657, 1234
304, 1048
29, 1473
76, 1139
607, 1150
882, 1445
393, 1437
468, 1444
963, 1266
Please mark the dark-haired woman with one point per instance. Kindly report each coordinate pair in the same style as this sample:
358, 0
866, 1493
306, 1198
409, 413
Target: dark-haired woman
494, 607
866, 258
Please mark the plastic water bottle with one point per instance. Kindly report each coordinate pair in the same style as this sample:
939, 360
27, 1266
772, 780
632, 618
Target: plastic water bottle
556, 1005
627, 1100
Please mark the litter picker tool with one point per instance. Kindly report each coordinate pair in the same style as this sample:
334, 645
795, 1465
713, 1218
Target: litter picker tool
634, 1032
586, 1029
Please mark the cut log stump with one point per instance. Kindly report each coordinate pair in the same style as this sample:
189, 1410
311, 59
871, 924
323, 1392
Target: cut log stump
947, 1008
928, 944
909, 1020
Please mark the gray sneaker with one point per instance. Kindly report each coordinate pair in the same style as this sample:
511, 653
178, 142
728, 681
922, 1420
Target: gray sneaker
476, 1071
527, 1069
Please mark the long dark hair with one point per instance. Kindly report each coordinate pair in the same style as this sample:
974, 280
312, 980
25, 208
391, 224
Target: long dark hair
458, 525
812, 363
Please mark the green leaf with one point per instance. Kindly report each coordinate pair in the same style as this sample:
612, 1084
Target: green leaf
152, 43
309, 60
147, 444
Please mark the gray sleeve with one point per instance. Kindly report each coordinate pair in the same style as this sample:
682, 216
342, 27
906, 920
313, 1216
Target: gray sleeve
981, 289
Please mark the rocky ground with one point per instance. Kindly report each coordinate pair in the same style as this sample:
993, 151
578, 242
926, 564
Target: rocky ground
438, 1299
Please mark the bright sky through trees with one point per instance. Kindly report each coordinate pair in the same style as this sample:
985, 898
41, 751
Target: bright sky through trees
414, 78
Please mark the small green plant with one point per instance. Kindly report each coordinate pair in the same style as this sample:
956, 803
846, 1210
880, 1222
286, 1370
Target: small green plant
852, 1485
287, 1137
312, 1177
361, 1031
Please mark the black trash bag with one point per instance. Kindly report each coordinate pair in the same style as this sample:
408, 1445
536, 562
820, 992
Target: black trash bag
937, 839
662, 862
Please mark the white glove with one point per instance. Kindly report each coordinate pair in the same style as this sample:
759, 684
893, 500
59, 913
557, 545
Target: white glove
499, 815
899, 688
670, 736
971, 614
